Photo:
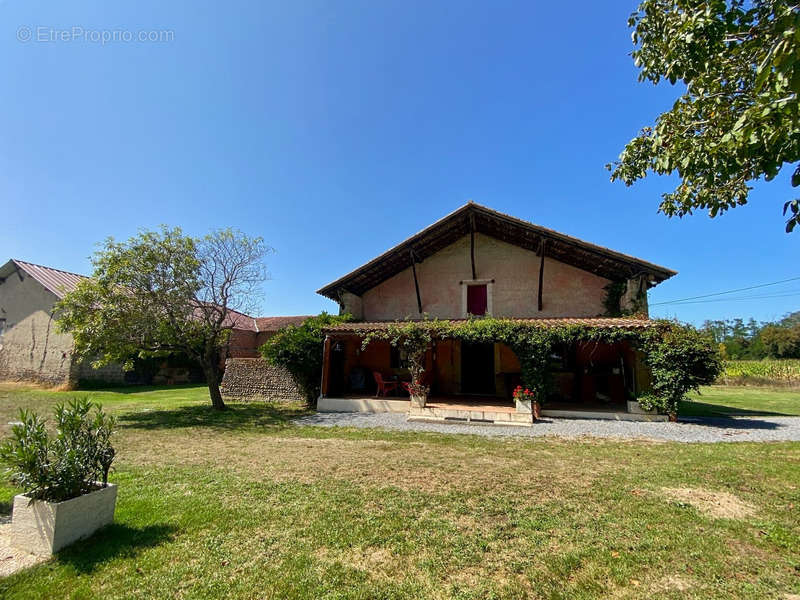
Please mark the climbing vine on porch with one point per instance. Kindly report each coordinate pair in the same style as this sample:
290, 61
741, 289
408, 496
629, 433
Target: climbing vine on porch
681, 358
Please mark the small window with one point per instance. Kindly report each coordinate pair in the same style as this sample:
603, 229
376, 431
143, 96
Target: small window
477, 299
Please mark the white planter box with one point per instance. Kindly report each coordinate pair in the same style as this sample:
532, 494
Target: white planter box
524, 406
418, 401
633, 407
43, 528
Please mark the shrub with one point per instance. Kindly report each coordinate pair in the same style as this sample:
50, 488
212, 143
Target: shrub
681, 359
299, 349
64, 466
653, 402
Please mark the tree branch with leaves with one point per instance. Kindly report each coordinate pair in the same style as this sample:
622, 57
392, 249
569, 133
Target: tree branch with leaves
738, 120
163, 292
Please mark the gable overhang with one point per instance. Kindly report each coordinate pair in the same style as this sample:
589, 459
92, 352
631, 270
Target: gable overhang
55, 281
472, 217
9, 269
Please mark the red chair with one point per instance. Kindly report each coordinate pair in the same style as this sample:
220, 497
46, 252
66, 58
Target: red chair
384, 387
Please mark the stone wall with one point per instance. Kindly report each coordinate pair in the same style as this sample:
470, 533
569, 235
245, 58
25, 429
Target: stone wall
256, 379
111, 374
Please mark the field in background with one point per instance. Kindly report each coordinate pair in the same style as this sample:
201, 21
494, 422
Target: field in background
768, 372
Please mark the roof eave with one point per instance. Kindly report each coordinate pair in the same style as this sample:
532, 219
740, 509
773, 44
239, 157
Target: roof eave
659, 272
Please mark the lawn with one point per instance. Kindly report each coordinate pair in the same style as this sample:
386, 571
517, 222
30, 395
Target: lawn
721, 400
246, 504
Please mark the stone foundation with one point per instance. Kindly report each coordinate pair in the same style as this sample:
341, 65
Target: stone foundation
256, 379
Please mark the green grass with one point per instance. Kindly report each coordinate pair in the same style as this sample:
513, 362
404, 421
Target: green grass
245, 504
716, 401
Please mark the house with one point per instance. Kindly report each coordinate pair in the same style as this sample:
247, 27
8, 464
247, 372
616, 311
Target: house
251, 334
32, 350
477, 262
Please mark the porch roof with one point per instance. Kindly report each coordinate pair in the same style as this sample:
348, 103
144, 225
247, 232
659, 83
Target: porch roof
359, 328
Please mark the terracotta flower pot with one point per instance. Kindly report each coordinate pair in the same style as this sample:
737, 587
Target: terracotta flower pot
673, 417
537, 411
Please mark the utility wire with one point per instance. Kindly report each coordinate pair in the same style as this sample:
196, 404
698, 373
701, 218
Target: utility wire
744, 289
738, 299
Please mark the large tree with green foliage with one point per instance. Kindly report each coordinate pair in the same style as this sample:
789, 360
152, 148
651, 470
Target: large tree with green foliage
737, 121
165, 292
740, 340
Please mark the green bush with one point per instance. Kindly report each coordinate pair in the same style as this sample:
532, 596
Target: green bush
653, 402
64, 466
681, 359
298, 348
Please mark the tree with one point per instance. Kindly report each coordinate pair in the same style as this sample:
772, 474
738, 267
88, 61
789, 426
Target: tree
299, 350
737, 120
782, 341
165, 292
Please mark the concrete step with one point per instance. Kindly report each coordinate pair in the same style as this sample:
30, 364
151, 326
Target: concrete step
476, 417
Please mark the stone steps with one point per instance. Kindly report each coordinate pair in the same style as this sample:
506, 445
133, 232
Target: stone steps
477, 416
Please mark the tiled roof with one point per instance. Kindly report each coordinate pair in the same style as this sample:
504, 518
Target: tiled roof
604, 322
238, 320
276, 323
57, 281
60, 282
472, 217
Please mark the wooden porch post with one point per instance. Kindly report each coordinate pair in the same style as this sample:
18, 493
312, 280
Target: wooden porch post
326, 367
541, 273
416, 282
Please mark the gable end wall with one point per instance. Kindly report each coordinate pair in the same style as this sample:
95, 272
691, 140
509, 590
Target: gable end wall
30, 348
567, 291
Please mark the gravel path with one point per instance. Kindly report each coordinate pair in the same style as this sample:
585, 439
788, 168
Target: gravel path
689, 429
13, 559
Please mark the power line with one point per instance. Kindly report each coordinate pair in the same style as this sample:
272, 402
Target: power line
744, 289
763, 297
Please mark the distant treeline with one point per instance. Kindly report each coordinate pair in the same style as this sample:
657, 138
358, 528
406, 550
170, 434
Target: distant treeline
751, 340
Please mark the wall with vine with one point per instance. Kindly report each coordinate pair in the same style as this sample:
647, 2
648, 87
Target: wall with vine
679, 357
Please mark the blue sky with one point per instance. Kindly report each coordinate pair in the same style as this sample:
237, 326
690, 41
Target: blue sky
337, 129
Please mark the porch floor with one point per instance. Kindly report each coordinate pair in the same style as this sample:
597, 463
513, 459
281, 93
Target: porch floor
477, 409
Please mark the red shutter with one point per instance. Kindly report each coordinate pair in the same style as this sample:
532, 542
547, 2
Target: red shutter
476, 299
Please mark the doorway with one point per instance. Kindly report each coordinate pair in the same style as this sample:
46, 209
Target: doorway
477, 369
336, 381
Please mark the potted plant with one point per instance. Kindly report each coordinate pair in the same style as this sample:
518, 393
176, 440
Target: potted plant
64, 477
526, 402
652, 404
418, 394
643, 405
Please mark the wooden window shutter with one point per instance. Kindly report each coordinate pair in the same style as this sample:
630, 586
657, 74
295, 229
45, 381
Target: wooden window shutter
477, 299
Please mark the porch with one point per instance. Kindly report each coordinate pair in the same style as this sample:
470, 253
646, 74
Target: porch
476, 411
474, 382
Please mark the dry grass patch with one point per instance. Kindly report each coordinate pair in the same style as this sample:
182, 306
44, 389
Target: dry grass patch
719, 505
420, 466
377, 562
672, 583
